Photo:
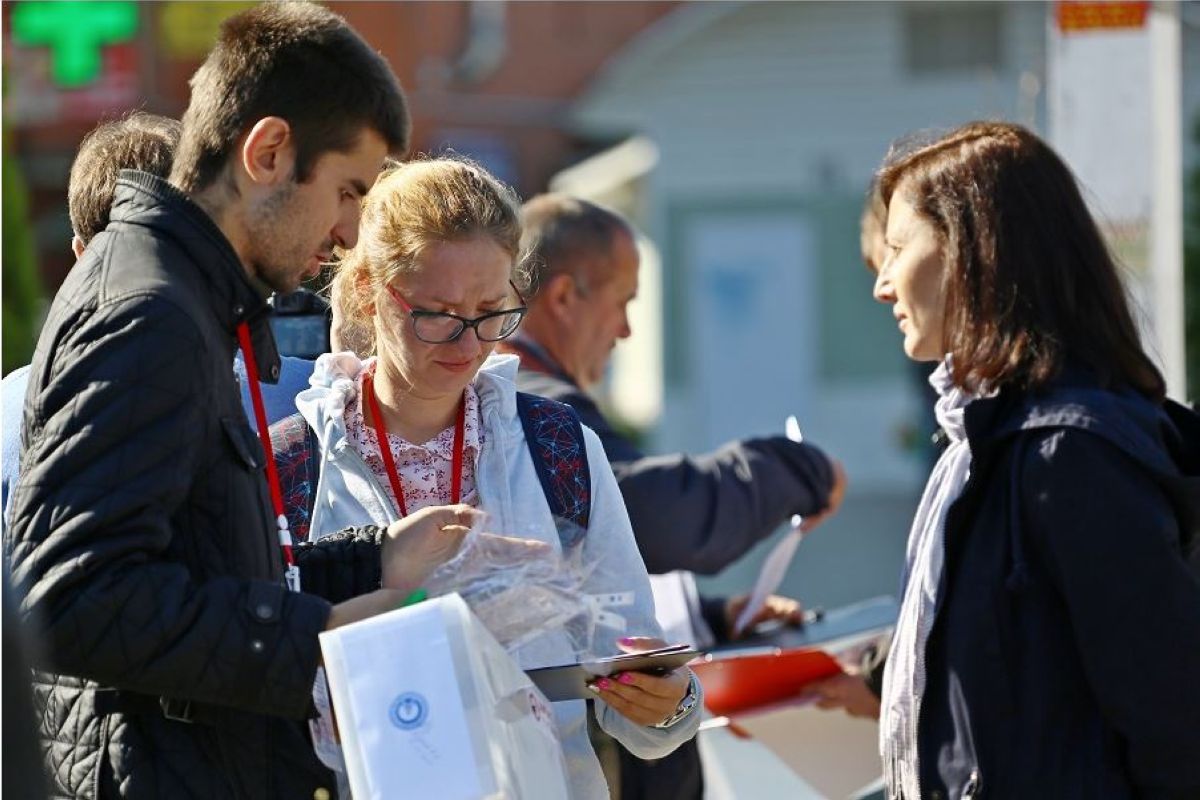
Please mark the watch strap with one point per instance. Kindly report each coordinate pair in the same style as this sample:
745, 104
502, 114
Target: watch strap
686, 705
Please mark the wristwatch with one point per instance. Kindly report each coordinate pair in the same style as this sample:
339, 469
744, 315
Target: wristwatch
685, 705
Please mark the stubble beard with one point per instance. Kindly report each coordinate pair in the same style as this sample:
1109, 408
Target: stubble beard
273, 264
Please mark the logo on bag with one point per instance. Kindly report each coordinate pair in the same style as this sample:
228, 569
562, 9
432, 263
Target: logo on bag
409, 711
541, 712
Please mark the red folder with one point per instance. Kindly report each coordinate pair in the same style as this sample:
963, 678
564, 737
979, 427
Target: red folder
765, 670
742, 684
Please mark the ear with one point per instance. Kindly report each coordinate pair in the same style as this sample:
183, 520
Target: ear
362, 290
268, 153
559, 296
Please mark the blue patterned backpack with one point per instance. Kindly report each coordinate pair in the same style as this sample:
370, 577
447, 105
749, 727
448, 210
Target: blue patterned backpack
552, 432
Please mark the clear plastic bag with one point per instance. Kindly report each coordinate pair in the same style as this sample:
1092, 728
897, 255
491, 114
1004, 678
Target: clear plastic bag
520, 589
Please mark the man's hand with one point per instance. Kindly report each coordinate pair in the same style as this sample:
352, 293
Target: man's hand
836, 493
365, 605
848, 692
415, 546
782, 609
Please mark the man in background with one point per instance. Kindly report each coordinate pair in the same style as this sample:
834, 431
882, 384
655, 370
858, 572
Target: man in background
693, 512
697, 513
140, 141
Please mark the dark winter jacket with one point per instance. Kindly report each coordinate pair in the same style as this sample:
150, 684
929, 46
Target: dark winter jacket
697, 513
1064, 661
175, 663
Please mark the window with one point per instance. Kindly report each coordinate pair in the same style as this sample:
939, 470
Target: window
945, 38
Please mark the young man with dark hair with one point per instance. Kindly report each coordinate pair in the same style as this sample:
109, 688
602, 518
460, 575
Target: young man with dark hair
176, 661
696, 513
297, 61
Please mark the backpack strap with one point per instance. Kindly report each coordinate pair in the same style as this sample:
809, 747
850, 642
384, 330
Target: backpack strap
297, 458
555, 439
553, 433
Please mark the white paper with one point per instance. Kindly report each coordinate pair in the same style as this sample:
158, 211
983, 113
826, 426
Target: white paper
677, 609
771, 575
777, 563
409, 723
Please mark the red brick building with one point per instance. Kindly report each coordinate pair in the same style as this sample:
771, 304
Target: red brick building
489, 79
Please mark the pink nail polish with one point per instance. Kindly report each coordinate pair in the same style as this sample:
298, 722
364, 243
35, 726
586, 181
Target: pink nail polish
604, 683
626, 640
625, 678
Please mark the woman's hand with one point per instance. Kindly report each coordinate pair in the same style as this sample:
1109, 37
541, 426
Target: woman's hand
640, 697
415, 546
848, 692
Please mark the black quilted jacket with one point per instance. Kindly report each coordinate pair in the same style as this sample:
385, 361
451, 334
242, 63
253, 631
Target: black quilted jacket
142, 538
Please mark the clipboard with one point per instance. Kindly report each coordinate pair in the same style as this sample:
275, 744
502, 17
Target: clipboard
769, 670
569, 681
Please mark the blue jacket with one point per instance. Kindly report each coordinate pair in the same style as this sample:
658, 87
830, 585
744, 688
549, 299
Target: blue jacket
719, 504
1065, 658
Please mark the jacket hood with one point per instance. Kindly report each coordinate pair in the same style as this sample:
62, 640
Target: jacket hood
1128, 420
334, 384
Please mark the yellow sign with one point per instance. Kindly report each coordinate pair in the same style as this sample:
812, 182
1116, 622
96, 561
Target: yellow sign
188, 29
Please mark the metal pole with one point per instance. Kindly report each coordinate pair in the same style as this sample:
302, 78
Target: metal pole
1166, 220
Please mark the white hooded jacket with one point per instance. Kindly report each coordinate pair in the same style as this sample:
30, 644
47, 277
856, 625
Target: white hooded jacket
510, 492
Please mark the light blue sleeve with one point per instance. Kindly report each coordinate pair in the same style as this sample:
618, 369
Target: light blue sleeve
12, 408
279, 399
611, 553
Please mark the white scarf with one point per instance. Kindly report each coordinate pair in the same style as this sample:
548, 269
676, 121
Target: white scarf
904, 674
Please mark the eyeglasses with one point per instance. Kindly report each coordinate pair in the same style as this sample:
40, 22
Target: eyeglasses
440, 327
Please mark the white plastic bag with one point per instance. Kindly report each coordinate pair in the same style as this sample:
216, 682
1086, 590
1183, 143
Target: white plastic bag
430, 705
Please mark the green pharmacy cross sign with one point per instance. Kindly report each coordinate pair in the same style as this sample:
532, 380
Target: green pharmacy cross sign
75, 31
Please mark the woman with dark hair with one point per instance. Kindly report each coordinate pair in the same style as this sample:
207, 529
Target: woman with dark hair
1049, 635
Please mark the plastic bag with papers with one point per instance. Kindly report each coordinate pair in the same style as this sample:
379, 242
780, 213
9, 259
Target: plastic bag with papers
430, 705
521, 589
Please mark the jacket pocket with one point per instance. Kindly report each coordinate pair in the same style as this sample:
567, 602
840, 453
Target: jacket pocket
106, 783
244, 442
247, 499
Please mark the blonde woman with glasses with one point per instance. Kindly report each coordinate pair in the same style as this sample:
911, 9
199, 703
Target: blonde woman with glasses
432, 284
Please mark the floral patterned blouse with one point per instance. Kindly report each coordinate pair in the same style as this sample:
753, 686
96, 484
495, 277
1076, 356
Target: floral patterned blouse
424, 469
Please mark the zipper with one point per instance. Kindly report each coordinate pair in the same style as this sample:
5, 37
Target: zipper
974, 785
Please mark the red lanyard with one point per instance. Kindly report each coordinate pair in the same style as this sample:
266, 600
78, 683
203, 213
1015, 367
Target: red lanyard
260, 414
385, 451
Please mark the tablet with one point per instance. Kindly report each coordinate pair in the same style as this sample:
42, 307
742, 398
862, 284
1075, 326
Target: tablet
569, 682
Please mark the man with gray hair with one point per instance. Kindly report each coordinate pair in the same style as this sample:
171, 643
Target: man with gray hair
697, 513
719, 504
